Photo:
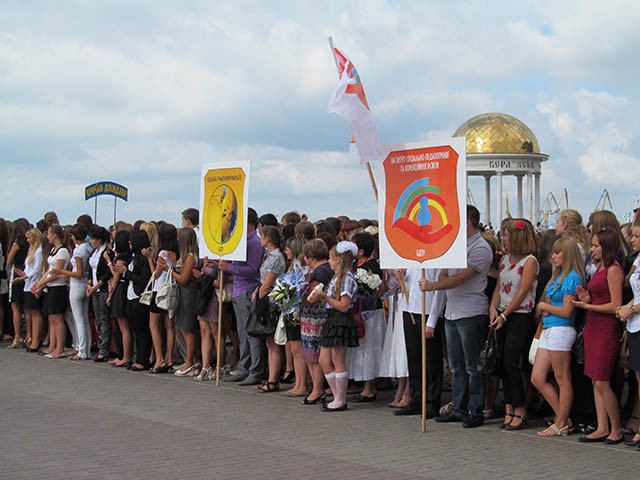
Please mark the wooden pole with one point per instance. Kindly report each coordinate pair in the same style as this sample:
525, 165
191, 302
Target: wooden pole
219, 339
423, 321
371, 177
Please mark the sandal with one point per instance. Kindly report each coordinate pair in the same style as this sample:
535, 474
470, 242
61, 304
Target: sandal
505, 424
268, 387
520, 426
554, 431
205, 374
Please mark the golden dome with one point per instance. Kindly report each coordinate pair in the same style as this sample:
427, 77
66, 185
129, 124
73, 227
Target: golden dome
497, 133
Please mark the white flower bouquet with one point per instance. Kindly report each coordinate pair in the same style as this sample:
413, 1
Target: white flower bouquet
288, 291
368, 282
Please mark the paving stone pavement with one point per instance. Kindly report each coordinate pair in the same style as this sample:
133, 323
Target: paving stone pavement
84, 420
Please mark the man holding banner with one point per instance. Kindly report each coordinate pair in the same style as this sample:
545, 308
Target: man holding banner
466, 321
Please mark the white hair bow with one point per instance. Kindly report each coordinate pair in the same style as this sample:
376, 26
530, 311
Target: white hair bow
345, 246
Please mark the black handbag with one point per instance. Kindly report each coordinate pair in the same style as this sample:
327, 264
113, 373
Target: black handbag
204, 293
491, 353
263, 318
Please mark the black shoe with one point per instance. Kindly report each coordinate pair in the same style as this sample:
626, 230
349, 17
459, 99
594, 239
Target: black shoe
586, 439
408, 411
100, 359
632, 443
288, 378
364, 399
473, 422
325, 408
448, 418
613, 441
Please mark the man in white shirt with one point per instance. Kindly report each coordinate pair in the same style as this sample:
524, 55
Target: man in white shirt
434, 330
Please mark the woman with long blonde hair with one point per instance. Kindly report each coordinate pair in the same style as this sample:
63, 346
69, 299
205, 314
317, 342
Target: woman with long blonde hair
186, 319
570, 225
31, 274
557, 311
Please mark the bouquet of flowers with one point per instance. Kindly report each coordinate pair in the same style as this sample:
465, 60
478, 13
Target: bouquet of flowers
288, 291
368, 282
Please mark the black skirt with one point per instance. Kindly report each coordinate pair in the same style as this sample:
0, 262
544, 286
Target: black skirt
31, 302
56, 300
119, 301
634, 351
17, 293
339, 330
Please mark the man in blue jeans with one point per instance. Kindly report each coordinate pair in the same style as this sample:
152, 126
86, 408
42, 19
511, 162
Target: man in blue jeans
252, 364
466, 318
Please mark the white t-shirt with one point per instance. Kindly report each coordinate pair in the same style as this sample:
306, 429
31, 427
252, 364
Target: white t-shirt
633, 324
61, 254
164, 276
83, 252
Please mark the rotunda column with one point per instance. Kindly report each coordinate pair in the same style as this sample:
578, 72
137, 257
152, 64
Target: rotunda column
520, 209
537, 201
487, 199
499, 200
530, 197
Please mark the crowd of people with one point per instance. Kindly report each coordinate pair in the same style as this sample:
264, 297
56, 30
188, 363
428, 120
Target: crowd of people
563, 306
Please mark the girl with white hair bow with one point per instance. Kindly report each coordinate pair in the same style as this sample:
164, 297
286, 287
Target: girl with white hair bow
339, 331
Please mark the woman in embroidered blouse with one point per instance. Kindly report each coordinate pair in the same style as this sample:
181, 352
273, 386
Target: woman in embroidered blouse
602, 333
272, 267
558, 334
339, 331
511, 310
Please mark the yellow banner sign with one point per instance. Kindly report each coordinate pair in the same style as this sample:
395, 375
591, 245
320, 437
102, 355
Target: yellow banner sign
224, 210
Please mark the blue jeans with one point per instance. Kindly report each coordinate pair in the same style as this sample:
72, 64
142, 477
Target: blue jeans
465, 338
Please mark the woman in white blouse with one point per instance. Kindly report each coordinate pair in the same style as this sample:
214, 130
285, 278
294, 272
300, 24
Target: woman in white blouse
55, 299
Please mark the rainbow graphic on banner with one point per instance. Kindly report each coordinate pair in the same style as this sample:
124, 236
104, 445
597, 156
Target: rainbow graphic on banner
420, 212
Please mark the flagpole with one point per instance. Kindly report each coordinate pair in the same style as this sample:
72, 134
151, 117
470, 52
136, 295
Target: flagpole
423, 337
219, 338
369, 170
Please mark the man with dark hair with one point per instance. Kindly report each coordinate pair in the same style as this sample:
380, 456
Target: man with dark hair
191, 219
252, 364
85, 220
466, 320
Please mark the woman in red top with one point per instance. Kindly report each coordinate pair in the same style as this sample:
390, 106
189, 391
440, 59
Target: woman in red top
602, 333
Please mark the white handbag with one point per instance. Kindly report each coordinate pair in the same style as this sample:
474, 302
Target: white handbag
534, 343
167, 296
145, 297
280, 335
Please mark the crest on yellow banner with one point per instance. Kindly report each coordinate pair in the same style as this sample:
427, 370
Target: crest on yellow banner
223, 202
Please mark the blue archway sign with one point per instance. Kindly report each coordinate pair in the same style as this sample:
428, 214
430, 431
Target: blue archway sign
106, 188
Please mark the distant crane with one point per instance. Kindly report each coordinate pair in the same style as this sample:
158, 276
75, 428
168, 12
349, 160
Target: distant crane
602, 201
552, 207
470, 199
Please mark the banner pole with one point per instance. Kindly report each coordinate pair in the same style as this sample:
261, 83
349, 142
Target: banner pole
423, 321
371, 177
219, 339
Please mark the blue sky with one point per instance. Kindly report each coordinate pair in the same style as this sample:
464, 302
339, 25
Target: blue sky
143, 93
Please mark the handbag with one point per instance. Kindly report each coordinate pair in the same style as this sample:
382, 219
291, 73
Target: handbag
534, 343
167, 297
227, 292
280, 335
147, 294
204, 293
262, 320
491, 353
623, 356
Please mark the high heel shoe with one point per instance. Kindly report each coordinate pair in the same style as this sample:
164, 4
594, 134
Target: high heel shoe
288, 377
306, 400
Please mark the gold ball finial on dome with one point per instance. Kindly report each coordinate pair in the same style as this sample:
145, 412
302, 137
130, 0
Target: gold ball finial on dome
497, 133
